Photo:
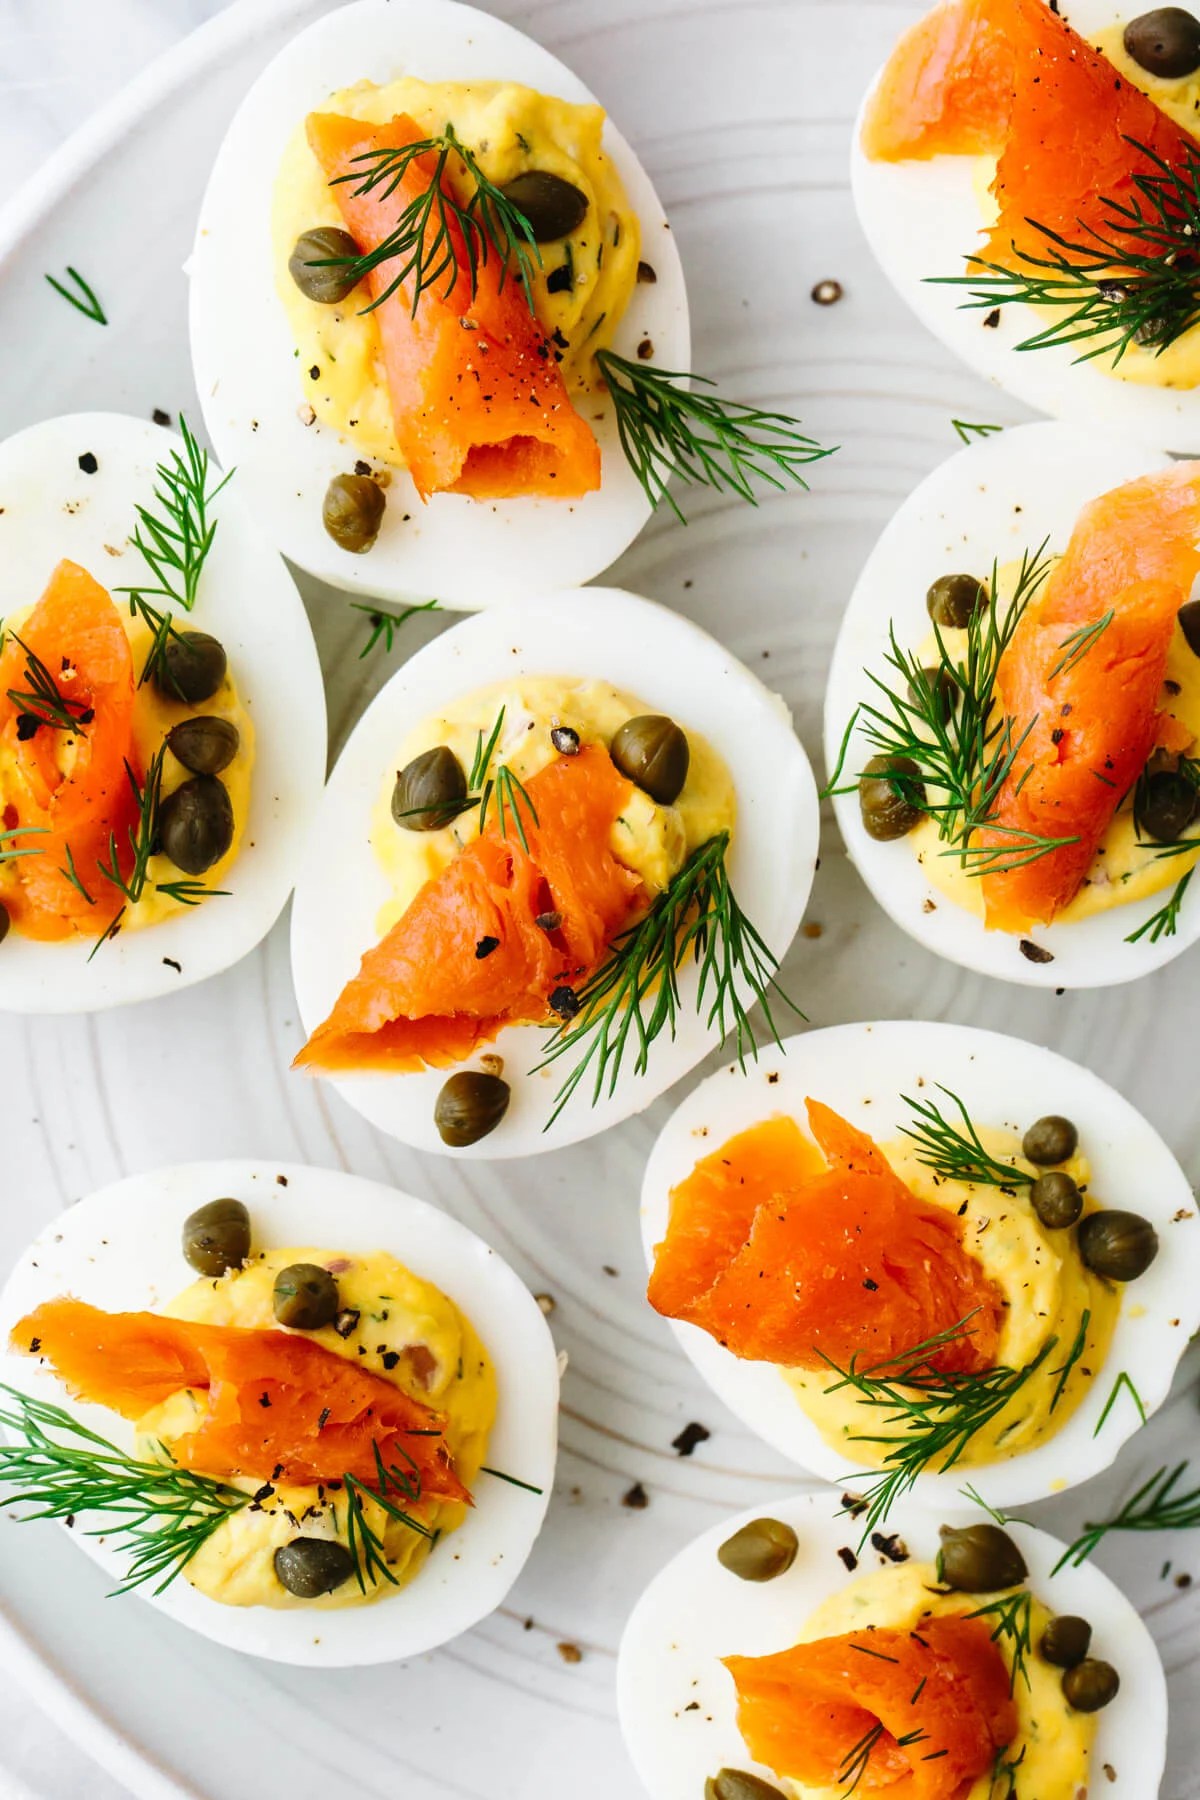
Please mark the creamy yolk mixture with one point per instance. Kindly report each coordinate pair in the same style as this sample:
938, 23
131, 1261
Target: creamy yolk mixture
1047, 1290
650, 839
580, 292
442, 1363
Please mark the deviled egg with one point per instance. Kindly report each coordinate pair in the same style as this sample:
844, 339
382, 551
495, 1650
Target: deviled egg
1024, 171
984, 1273
1011, 721
162, 717
307, 1382
564, 849
774, 1660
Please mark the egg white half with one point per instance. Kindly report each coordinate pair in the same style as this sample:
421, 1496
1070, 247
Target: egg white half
695, 1612
606, 635
120, 1249
861, 1071
467, 553
50, 509
922, 219
989, 503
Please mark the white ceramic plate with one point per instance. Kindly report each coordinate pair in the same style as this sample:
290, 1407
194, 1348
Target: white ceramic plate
862, 1072
248, 600
119, 1249
995, 500
470, 555
678, 1705
604, 635
923, 218
742, 113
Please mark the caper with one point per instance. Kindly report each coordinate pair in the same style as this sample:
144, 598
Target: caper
554, 207
192, 667
430, 791
979, 1559
470, 1106
760, 1551
739, 1784
1118, 1245
1090, 1685
5, 921
305, 1297
1165, 42
216, 1237
195, 824
324, 285
953, 600
935, 687
1050, 1140
1056, 1200
1189, 624
1065, 1641
888, 790
205, 744
1164, 805
353, 512
653, 752
311, 1566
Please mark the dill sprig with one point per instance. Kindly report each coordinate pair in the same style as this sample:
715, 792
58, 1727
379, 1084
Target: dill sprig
964, 752
164, 1514
43, 702
1165, 922
1132, 279
436, 237
8, 838
1158, 1505
504, 787
634, 996
142, 836
668, 428
366, 1546
1013, 1616
1124, 1382
175, 541
967, 432
83, 300
954, 1153
857, 1759
385, 625
1078, 643
936, 1414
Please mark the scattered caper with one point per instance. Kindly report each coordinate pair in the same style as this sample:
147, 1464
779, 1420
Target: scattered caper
760, 1551
352, 512
953, 600
324, 285
430, 791
5, 921
195, 824
192, 667
1164, 805
1165, 42
888, 790
554, 207
937, 685
979, 1559
739, 1784
311, 1566
1050, 1140
470, 1106
1118, 1245
1090, 1685
653, 752
305, 1297
1189, 624
1065, 1641
205, 744
1056, 1200
216, 1237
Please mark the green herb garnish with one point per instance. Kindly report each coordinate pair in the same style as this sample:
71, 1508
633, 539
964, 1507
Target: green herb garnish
1165, 922
954, 1152
174, 542
1124, 1382
967, 432
43, 702
1156, 1506
385, 625
1013, 1615
83, 299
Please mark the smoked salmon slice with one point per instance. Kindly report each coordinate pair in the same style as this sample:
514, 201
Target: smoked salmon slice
786, 1260
279, 1405
1011, 77
1134, 554
478, 402
941, 1695
469, 956
68, 788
